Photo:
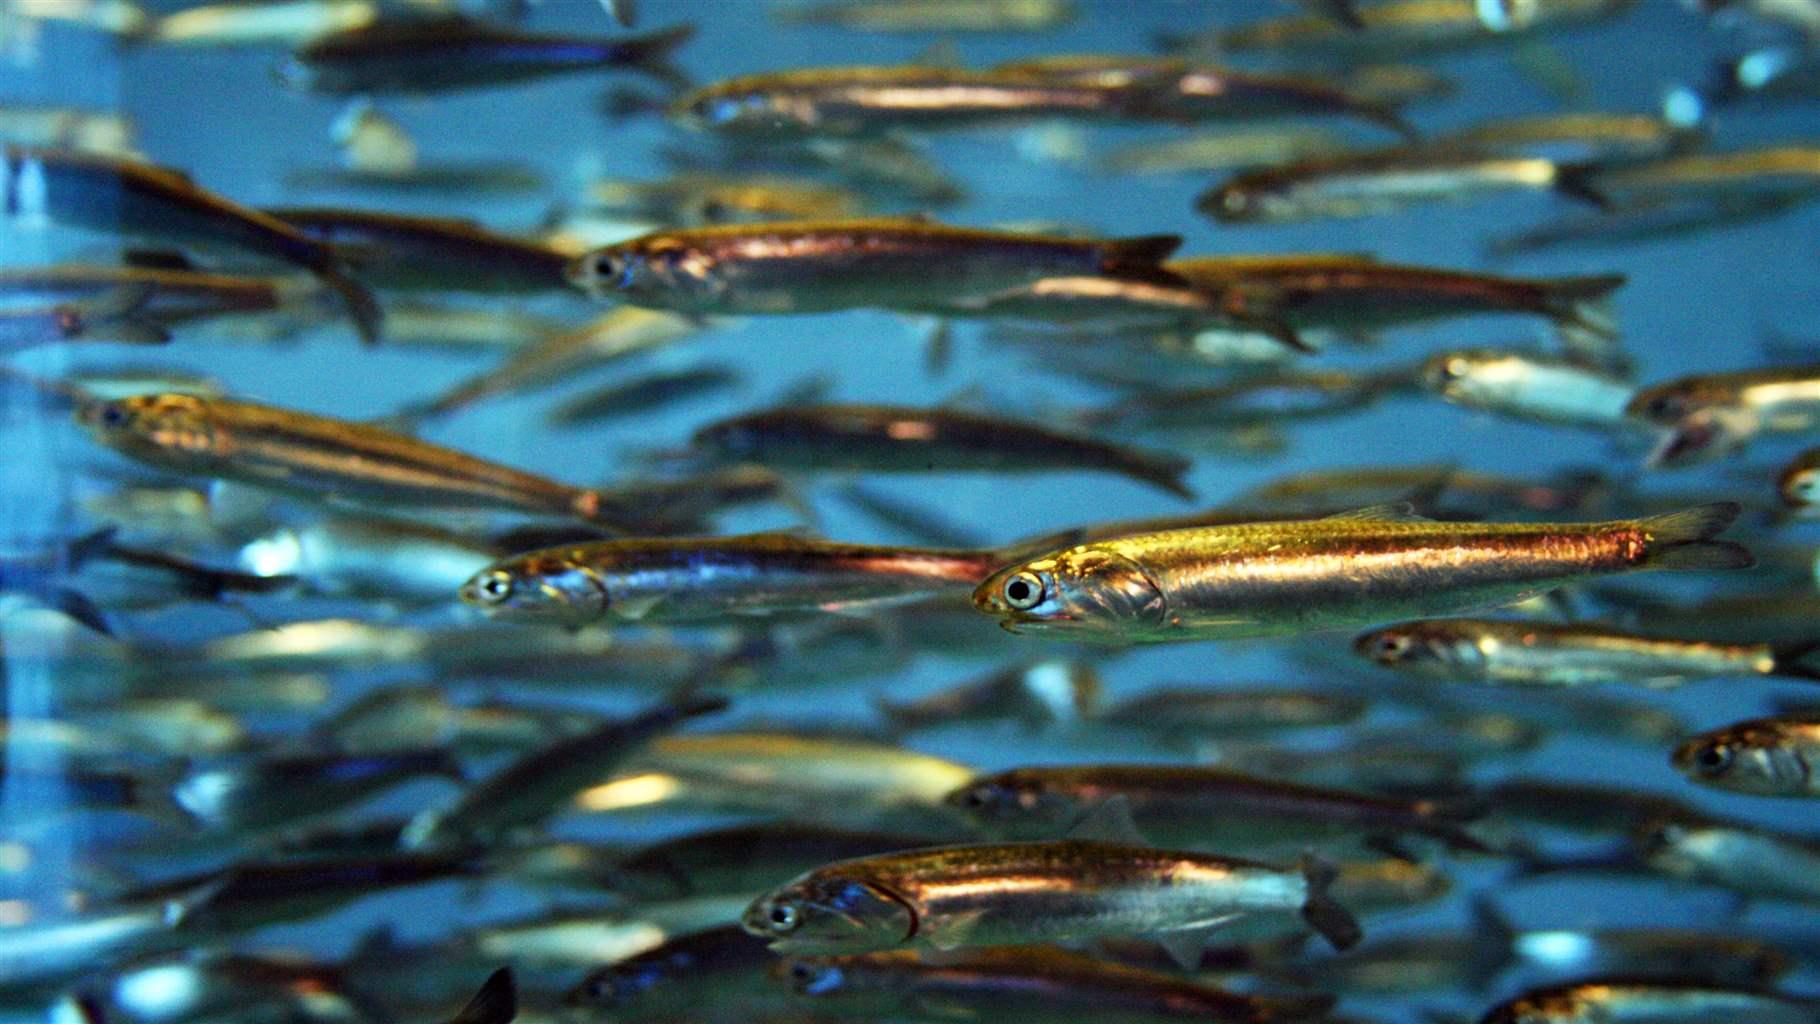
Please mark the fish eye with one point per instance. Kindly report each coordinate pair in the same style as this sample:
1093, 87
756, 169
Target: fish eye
1663, 406
1233, 199
1024, 591
1390, 647
600, 989
112, 416
1454, 368
977, 798
784, 917
1714, 759
494, 587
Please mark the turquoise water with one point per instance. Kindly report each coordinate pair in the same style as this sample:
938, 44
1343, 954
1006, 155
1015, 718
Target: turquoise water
1692, 304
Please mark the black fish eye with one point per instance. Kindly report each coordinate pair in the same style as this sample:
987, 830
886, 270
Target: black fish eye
494, 587
976, 797
113, 416
783, 917
801, 972
1023, 591
600, 989
1714, 759
1391, 646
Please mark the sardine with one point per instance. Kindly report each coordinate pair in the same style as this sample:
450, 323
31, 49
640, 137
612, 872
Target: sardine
1764, 756
700, 198
1533, 653
1538, 388
396, 251
106, 194
429, 55
1035, 694
741, 859
905, 438
640, 395
1270, 579
818, 267
1408, 27
1657, 1002
684, 974
929, 15
260, 793
1229, 711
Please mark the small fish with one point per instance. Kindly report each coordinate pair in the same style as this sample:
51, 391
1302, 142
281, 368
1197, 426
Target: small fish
320, 457
1751, 861
1408, 27
281, 23
1018, 985
700, 198
684, 974
709, 578
211, 984
1799, 484
814, 267
1374, 182
1756, 175
1269, 579
1530, 387
172, 295
261, 793
1574, 139
1645, 221
1223, 151
119, 317
125, 196
1287, 295
1264, 400
48, 951
1658, 1002
1199, 808
401, 718
429, 55
587, 938
1531, 653
375, 558
538, 785
643, 394
1764, 756
741, 859
1231, 711
397, 251
929, 15
67, 128
1036, 694
1010, 894
889, 438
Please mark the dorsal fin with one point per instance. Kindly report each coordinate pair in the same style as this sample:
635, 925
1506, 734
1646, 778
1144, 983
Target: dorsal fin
1109, 821
1393, 512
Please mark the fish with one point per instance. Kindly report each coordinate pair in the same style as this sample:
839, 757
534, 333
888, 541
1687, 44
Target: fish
1535, 388
1408, 27
283, 23
1755, 863
1284, 296
1776, 399
687, 972
697, 198
894, 438
993, 16
371, 557
1547, 654
1762, 756
741, 859
1272, 579
1018, 985
255, 794
210, 984
1799, 484
1658, 1001
1438, 491
58, 948
397, 251
539, 784
703, 579
1576, 138
1773, 173
67, 128
1644, 221
401, 718
1194, 92
128, 197
1266, 399
117, 318
1009, 894
164, 296
1222, 151
1372, 182
432, 55
1201, 808
587, 938
1035, 694
1231, 711
823, 266
643, 394
321, 457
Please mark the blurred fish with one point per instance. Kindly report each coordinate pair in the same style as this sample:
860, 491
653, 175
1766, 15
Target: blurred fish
1370, 182
1440, 491
710, 578
1750, 861
1231, 711
1660, 1002
1290, 294
884, 169
686, 974
1645, 221
1585, 808
257, 793
1714, 414
374, 558
742, 859
39, 951
161, 296
1583, 138
322, 458
1027, 893
992, 16
479, 179
1026, 985
1756, 175
112, 195
1531, 653
696, 198
395, 251
397, 719
1530, 387
817, 267
888, 438
1034, 694
589, 938
1200, 808
1763, 756
119, 317
1268, 399
1409, 27
538, 785
1277, 578
918, 524
1223, 151
425, 56
275, 23
124, 19
643, 395
216, 985
1799, 484
67, 128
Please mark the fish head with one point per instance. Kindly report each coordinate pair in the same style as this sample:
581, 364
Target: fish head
831, 912
1015, 802
1745, 759
1799, 486
618, 985
1087, 591
151, 425
731, 109
543, 586
1428, 647
655, 266
1451, 374
1670, 404
813, 976
1704, 434
1241, 202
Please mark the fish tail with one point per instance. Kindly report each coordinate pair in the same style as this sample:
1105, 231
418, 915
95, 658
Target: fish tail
1684, 540
1164, 471
363, 308
1582, 308
1793, 661
495, 1003
1335, 923
1578, 182
652, 54
1492, 946
1140, 257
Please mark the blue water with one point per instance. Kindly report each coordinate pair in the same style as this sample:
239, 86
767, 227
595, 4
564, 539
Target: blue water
1692, 304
